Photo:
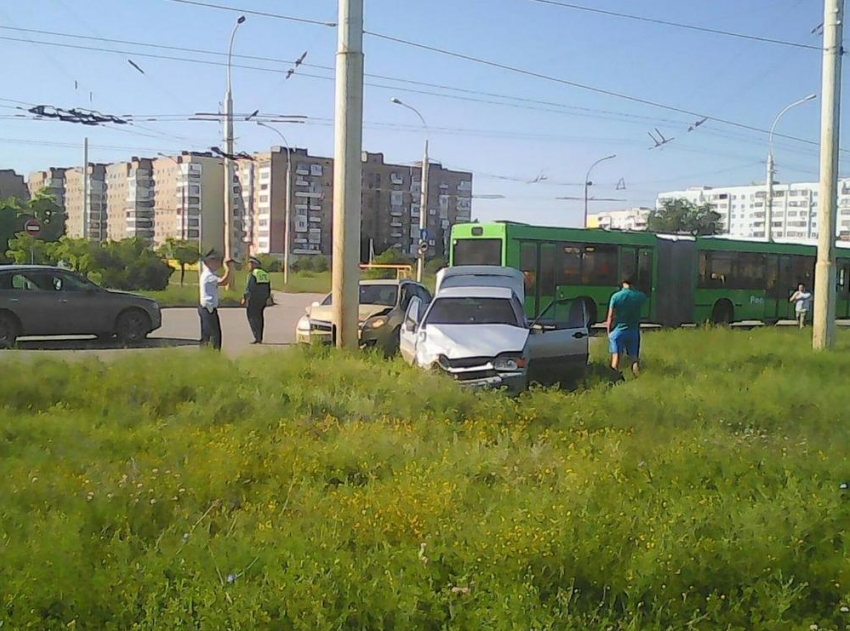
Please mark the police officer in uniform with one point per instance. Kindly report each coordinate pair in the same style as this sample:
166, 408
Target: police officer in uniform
256, 298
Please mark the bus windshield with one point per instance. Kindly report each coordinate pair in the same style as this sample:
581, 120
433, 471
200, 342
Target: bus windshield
478, 252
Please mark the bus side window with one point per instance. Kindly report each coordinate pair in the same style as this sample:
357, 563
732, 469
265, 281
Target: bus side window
644, 275
569, 265
599, 265
772, 274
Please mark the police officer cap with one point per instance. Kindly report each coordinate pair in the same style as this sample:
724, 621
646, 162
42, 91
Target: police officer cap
255, 261
212, 255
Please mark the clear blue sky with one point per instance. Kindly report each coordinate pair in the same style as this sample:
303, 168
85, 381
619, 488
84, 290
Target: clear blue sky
729, 78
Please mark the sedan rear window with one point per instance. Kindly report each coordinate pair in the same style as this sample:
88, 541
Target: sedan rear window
473, 311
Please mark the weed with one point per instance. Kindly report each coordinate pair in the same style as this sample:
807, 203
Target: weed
312, 489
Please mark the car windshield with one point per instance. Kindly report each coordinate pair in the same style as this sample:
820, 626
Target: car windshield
383, 295
473, 311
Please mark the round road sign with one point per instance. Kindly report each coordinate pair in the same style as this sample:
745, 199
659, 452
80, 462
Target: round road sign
32, 227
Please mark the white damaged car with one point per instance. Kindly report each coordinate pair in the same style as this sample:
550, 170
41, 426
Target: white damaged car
475, 329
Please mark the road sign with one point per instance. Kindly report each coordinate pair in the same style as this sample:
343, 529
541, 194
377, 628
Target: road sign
423, 234
32, 227
423, 246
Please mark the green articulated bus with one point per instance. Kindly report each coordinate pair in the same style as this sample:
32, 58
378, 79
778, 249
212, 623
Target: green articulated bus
686, 279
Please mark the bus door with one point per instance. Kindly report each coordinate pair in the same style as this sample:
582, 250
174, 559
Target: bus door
780, 286
842, 288
529, 265
546, 282
537, 264
636, 263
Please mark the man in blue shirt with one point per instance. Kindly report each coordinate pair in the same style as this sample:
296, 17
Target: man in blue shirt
623, 325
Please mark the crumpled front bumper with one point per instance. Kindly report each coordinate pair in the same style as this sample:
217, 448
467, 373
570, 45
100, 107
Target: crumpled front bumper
486, 377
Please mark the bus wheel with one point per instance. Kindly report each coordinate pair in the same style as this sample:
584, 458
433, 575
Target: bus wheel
723, 313
590, 310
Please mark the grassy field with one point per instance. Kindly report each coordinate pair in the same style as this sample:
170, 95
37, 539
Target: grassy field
313, 490
187, 295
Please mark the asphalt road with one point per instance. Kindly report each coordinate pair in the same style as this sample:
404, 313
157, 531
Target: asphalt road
181, 328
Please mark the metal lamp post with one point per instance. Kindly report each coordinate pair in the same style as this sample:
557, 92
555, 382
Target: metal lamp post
423, 200
288, 205
768, 202
228, 147
588, 183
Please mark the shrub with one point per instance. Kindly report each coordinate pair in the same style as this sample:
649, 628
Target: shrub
270, 262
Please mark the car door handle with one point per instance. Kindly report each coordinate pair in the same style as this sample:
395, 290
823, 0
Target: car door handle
579, 334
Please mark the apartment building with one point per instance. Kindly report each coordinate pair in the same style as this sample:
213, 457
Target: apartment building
263, 190
51, 181
188, 199
13, 185
390, 203
86, 218
129, 200
795, 208
631, 219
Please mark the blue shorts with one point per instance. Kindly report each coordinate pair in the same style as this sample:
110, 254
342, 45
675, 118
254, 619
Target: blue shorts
624, 341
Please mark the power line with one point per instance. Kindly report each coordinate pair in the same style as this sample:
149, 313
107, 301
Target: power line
597, 113
575, 84
690, 27
73, 145
265, 14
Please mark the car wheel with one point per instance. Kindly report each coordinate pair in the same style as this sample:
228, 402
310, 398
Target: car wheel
133, 326
8, 330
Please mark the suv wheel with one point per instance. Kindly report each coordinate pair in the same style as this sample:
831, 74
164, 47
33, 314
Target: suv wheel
133, 326
8, 330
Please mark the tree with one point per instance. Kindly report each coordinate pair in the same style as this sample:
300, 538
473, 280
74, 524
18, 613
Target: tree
24, 249
43, 207
13, 215
184, 252
78, 254
683, 216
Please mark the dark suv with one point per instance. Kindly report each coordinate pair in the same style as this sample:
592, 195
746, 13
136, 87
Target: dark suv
43, 301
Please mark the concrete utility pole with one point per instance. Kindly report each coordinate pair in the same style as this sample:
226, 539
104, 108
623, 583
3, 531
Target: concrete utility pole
833, 27
771, 171
588, 184
423, 198
288, 204
348, 170
228, 148
86, 205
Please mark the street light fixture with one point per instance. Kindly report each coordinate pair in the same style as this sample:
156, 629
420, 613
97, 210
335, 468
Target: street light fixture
288, 205
588, 183
423, 200
771, 171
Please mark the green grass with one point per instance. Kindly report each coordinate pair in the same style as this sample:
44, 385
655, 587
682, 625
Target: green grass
187, 295
315, 490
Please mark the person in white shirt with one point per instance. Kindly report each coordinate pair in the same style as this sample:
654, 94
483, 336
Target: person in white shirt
802, 300
208, 308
